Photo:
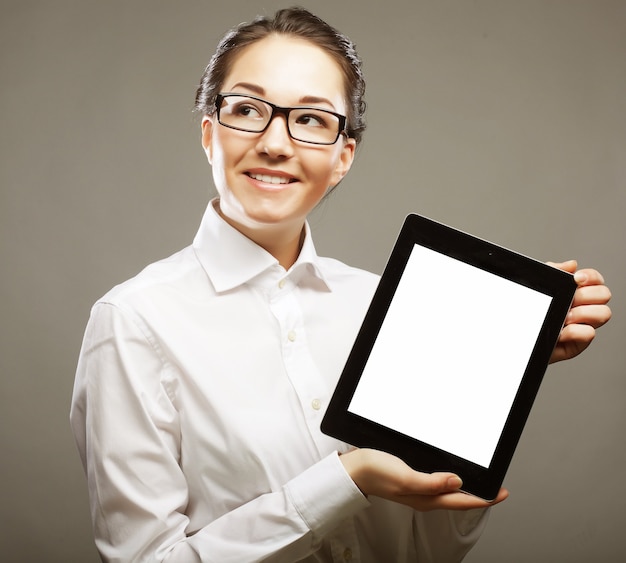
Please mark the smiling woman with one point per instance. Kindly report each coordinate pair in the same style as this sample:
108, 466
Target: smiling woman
202, 382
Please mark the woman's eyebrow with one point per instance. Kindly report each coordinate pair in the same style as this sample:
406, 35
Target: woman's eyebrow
259, 90
249, 86
316, 100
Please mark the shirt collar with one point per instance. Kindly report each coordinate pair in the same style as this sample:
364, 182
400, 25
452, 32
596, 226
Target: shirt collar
231, 259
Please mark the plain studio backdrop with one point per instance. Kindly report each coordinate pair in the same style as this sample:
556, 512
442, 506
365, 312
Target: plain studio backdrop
506, 119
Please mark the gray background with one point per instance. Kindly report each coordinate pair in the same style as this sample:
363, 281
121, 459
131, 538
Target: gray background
504, 118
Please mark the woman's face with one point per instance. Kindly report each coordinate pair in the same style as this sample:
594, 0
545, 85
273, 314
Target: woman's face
286, 71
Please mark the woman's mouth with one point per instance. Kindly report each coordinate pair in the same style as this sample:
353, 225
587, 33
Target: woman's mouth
270, 179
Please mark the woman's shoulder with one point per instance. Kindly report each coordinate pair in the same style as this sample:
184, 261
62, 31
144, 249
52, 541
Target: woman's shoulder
171, 273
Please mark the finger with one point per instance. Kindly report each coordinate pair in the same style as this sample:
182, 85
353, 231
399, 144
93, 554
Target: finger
573, 340
588, 276
577, 333
591, 295
593, 315
566, 351
567, 266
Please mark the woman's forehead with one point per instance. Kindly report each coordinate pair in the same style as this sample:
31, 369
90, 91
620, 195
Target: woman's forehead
286, 69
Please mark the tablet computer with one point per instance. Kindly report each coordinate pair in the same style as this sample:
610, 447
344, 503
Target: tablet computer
451, 354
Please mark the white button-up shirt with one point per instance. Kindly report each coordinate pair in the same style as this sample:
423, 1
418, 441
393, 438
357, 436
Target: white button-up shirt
199, 393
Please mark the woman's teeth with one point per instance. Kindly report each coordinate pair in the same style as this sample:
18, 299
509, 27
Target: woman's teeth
270, 179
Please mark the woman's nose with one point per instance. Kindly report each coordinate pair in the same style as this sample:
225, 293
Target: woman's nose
275, 140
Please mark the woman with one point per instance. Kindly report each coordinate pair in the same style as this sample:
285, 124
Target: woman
202, 382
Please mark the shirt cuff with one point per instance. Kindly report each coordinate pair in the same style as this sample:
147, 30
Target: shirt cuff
324, 495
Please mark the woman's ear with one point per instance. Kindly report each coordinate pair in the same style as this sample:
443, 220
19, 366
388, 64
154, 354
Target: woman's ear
345, 160
207, 130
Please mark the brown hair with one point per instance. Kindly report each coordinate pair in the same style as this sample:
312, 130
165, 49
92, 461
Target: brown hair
300, 23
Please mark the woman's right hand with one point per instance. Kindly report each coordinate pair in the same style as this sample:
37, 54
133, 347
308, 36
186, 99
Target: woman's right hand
384, 475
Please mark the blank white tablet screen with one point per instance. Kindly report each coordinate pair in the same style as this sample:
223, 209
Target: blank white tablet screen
450, 355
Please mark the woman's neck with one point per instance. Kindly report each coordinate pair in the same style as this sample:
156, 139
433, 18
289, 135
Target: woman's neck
282, 241
285, 248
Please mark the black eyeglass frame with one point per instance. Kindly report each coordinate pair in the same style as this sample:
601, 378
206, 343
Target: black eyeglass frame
279, 110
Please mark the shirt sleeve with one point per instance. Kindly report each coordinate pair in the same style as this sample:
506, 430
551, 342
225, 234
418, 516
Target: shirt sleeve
127, 431
448, 535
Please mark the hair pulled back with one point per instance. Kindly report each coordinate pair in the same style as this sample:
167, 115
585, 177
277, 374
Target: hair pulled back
296, 22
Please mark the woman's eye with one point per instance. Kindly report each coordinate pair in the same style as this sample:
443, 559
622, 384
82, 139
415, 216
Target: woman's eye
312, 120
246, 110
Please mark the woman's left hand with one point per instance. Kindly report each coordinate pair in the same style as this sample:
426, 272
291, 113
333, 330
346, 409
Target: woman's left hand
589, 311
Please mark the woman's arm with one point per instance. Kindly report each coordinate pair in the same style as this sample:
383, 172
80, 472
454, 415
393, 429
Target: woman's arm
128, 432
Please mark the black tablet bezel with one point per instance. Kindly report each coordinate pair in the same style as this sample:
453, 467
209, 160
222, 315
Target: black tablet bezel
340, 423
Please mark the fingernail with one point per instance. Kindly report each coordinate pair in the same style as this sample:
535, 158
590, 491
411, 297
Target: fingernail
454, 482
580, 277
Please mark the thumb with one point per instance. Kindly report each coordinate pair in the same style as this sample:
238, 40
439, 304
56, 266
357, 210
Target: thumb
437, 483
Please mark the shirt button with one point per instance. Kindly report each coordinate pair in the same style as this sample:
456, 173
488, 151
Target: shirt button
316, 404
291, 335
281, 283
347, 554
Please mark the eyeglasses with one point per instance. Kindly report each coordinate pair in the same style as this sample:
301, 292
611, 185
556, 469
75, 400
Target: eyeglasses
306, 124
